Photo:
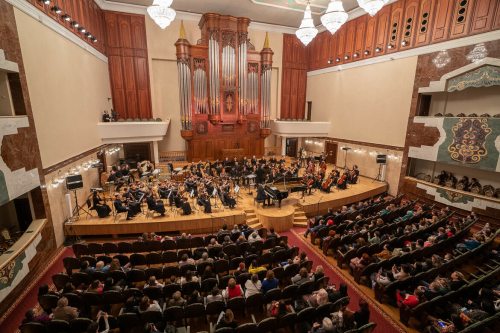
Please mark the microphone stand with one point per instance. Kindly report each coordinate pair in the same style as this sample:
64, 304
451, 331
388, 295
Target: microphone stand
317, 211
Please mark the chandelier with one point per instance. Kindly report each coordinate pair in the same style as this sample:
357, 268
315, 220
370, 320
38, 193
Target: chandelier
442, 59
478, 53
335, 16
161, 12
372, 6
307, 31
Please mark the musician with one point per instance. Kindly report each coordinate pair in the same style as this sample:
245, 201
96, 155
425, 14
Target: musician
327, 184
136, 192
150, 166
354, 174
245, 161
133, 204
208, 168
192, 168
273, 160
262, 195
272, 177
100, 206
170, 166
118, 172
235, 160
309, 159
322, 158
105, 117
253, 160
190, 185
227, 162
126, 172
294, 171
122, 209
235, 177
310, 167
204, 200
219, 169
113, 179
302, 156
181, 202
263, 160
227, 199
260, 174
156, 205
283, 160
139, 169
236, 166
342, 182
248, 170
200, 166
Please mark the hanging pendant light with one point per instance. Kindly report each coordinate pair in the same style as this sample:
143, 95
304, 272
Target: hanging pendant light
478, 53
335, 16
307, 31
372, 6
161, 12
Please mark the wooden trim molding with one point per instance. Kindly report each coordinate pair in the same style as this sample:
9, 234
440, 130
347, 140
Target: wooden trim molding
73, 159
368, 144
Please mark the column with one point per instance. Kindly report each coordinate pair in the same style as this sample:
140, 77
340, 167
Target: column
283, 145
155, 153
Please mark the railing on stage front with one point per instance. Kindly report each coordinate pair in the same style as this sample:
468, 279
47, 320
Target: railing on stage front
272, 150
172, 156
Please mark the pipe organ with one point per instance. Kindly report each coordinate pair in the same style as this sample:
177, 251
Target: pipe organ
224, 89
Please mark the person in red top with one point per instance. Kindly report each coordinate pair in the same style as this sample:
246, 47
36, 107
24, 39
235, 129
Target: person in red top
279, 309
233, 290
410, 300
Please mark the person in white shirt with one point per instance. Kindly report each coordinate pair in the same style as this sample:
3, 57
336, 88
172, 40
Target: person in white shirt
153, 283
254, 237
252, 286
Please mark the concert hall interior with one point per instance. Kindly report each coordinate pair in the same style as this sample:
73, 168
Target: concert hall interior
249, 166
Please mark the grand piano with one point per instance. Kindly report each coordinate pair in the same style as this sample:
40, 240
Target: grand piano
277, 190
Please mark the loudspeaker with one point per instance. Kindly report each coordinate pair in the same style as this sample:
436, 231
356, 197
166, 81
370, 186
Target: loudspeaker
381, 158
74, 182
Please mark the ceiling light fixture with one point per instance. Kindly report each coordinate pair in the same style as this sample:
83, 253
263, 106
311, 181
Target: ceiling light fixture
56, 9
442, 59
478, 53
334, 17
307, 31
377, 49
82, 29
372, 6
75, 24
161, 12
66, 17
390, 46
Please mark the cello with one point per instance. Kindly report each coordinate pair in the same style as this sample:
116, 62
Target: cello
326, 183
342, 179
323, 167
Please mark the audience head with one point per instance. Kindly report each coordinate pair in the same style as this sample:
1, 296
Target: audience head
272, 230
43, 289
204, 256
231, 284
363, 305
327, 324
184, 257
322, 297
343, 289
270, 275
241, 266
189, 275
30, 314
152, 281
303, 273
227, 239
208, 271
254, 278
228, 316
115, 265
62, 302
215, 291
319, 269
213, 241
241, 239
176, 296
255, 263
254, 235
303, 256
349, 320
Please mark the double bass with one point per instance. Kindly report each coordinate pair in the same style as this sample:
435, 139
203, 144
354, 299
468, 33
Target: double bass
323, 167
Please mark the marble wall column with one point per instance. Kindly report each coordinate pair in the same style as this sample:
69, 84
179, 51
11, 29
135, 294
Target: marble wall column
283, 145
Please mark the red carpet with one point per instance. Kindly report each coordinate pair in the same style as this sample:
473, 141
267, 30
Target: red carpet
13, 317
377, 315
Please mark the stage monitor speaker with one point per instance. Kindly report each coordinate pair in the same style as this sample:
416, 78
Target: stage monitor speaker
381, 158
74, 182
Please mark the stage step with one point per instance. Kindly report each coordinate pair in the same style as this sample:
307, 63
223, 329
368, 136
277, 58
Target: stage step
255, 226
249, 211
298, 224
252, 220
250, 215
300, 218
297, 213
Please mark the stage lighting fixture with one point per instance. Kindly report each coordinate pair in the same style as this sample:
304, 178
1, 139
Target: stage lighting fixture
56, 9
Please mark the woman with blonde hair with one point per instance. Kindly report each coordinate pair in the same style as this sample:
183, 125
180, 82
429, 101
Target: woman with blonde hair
318, 274
226, 319
253, 286
63, 311
302, 277
317, 298
232, 290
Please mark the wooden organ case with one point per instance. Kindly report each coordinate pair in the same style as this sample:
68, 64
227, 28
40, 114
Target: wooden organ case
224, 89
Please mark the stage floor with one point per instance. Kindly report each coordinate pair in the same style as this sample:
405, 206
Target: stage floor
293, 211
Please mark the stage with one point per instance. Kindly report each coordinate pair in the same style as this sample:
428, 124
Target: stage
293, 212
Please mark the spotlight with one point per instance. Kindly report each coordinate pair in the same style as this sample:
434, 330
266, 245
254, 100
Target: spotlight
88, 34
367, 52
404, 43
82, 29
75, 24
47, 2
330, 61
356, 55
56, 9
377, 49
94, 40
390, 46
66, 17
346, 57
338, 59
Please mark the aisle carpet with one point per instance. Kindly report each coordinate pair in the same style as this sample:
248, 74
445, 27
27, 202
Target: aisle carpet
385, 323
12, 318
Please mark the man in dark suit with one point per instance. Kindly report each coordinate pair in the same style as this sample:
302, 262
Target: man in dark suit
120, 208
260, 175
105, 117
227, 162
244, 162
253, 160
273, 160
262, 195
157, 206
227, 199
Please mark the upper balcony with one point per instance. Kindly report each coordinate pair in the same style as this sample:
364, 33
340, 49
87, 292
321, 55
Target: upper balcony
298, 128
133, 131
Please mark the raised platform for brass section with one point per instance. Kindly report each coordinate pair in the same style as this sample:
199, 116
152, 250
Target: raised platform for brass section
199, 222
281, 219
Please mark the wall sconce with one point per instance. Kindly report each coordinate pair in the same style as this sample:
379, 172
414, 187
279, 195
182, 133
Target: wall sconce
330, 61
54, 182
390, 46
338, 59
367, 52
82, 29
47, 2
66, 17
404, 43
356, 55
88, 34
377, 49
75, 24
56, 9
346, 57
94, 40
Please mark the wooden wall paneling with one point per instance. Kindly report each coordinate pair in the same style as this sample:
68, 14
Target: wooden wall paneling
138, 32
287, 50
301, 99
382, 33
425, 18
325, 49
332, 49
410, 24
130, 87
294, 90
38, 4
442, 20
245, 144
296, 45
209, 149
483, 16
396, 26
285, 93
196, 149
340, 45
349, 41
496, 23
124, 30
141, 74
303, 59
461, 18
317, 50
112, 35
88, 20
370, 34
311, 47
49, 11
78, 17
359, 45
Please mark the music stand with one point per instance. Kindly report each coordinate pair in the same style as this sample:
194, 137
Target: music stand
237, 191
214, 194
250, 177
191, 195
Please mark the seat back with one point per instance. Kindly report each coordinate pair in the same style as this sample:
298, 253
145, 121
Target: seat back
215, 308
32, 328
267, 325
48, 302
79, 325
60, 280
58, 326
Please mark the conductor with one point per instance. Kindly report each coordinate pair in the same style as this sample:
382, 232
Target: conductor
261, 195
260, 174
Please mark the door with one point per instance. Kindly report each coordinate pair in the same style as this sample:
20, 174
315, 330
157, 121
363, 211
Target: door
23, 212
331, 152
291, 147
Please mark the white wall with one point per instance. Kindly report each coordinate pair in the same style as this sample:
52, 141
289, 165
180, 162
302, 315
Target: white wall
471, 100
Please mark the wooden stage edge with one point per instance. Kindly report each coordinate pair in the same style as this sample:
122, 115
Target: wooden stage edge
199, 223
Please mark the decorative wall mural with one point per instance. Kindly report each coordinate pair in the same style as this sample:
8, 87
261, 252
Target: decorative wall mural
229, 103
201, 127
253, 127
454, 197
469, 139
482, 77
228, 128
